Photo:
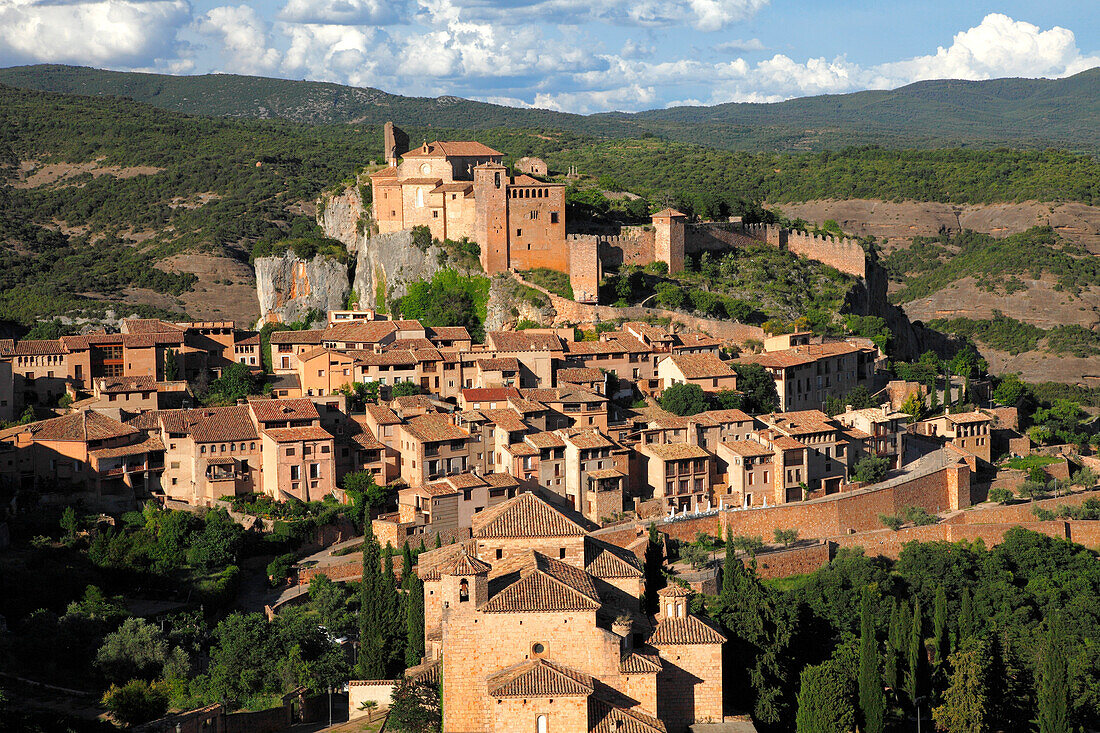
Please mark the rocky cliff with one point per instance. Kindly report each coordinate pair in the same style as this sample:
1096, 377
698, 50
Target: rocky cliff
384, 264
289, 288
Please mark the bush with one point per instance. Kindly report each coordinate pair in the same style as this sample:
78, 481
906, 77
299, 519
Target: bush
683, 399
1001, 495
279, 569
136, 702
405, 389
870, 469
892, 521
919, 516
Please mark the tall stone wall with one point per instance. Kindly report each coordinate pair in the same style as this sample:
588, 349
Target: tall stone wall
715, 237
843, 253
584, 266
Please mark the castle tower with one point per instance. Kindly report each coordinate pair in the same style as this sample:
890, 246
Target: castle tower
491, 216
668, 241
464, 583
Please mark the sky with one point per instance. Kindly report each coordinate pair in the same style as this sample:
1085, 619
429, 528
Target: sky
571, 55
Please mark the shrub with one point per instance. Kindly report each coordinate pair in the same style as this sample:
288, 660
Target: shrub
683, 399
1001, 495
136, 702
892, 521
870, 469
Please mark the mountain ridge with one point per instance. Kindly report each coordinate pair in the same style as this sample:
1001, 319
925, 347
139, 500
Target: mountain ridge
1011, 112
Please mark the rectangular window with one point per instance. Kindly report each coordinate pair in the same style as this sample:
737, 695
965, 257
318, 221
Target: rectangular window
295, 473
290, 451
553, 217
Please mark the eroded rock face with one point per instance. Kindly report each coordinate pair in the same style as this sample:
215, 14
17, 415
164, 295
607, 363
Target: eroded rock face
289, 288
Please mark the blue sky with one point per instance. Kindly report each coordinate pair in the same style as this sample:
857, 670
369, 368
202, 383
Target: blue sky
573, 55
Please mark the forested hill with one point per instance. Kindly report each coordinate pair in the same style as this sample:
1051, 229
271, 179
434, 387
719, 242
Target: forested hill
946, 113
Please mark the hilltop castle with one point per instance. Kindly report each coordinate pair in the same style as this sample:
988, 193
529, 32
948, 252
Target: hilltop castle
463, 189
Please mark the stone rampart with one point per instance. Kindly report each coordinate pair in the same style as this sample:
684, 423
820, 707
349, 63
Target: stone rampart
793, 560
843, 253
715, 236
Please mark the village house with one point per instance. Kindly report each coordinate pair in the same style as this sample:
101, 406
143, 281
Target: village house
538, 626
967, 431
805, 374
705, 370
882, 430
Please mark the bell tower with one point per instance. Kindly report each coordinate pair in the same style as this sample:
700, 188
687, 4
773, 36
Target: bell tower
491, 216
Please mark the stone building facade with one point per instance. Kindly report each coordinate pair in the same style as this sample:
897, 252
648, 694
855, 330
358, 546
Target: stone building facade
539, 628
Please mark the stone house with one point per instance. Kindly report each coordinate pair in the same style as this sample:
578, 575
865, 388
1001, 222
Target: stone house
539, 628
706, 370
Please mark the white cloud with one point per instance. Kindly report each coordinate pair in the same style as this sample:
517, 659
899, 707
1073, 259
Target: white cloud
108, 33
360, 56
740, 45
705, 15
999, 46
242, 37
346, 12
713, 15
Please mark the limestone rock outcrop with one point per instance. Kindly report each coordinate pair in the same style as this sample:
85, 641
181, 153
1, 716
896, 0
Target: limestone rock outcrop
289, 288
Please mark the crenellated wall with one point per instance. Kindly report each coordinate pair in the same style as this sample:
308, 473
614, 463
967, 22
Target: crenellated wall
843, 253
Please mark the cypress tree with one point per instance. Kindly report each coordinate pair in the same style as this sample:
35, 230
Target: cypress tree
1052, 688
406, 564
414, 621
651, 570
393, 612
438, 541
915, 657
967, 622
872, 701
895, 643
941, 649
422, 547
372, 622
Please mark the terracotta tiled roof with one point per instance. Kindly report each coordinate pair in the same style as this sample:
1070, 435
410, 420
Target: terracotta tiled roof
603, 560
606, 473
506, 419
539, 678
465, 564
403, 357
728, 416
588, 439
747, 448
799, 355
434, 428
464, 480
213, 425
578, 375
500, 480
544, 440
524, 406
448, 333
7, 347
522, 341
855, 434
387, 172
520, 450
147, 445
673, 451
81, 427
550, 585
962, 418
253, 340
363, 332
422, 181
290, 435
605, 717
428, 673
687, 630
648, 330
308, 336
563, 393
453, 149
665, 213
526, 515
109, 385
786, 443
455, 187
43, 347
695, 341
638, 663
701, 366
366, 441
383, 415
412, 402
504, 363
409, 344
278, 410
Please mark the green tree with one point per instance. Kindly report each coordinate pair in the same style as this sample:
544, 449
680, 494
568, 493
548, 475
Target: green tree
278, 570
331, 602
414, 620
416, 708
373, 622
136, 702
136, 649
236, 382
872, 701
219, 542
870, 469
1053, 685
967, 621
683, 399
171, 365
1010, 391
941, 646
652, 564
966, 701
824, 700
786, 537
916, 658
758, 386
914, 407
69, 523
405, 389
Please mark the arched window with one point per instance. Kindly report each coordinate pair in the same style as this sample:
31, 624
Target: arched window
463, 590
540, 724
419, 198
